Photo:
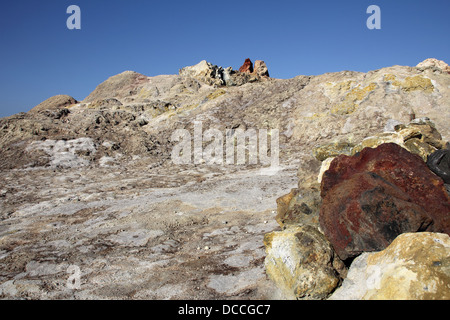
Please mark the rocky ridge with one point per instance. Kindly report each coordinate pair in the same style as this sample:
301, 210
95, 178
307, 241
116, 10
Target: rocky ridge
91, 183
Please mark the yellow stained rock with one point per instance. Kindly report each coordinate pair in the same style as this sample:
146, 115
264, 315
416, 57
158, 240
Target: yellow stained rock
414, 266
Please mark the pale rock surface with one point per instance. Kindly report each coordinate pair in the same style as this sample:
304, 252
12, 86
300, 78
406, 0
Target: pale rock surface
415, 266
204, 71
302, 263
260, 69
434, 63
54, 103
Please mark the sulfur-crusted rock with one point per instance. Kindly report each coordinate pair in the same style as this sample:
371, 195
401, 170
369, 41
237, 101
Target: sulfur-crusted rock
332, 149
302, 263
391, 183
420, 137
377, 140
300, 206
415, 266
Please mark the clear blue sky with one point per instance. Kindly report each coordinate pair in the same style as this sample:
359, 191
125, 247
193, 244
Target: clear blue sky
40, 57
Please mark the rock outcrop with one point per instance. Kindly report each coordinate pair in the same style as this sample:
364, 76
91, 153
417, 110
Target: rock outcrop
261, 70
206, 72
434, 63
54, 103
247, 67
218, 76
118, 86
415, 266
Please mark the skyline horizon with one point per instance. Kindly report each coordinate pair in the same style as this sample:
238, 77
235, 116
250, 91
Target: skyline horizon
235, 69
42, 57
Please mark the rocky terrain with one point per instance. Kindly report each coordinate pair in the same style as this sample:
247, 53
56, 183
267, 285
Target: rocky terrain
92, 205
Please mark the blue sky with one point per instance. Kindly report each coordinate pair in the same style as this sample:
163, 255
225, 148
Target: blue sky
40, 57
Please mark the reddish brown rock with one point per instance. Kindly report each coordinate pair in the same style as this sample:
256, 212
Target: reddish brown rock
366, 213
247, 66
392, 165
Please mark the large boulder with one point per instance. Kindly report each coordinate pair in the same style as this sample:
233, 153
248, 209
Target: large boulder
302, 263
366, 213
372, 197
415, 266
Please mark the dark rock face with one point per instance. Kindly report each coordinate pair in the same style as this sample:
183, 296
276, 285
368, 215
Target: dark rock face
370, 198
439, 163
247, 66
366, 213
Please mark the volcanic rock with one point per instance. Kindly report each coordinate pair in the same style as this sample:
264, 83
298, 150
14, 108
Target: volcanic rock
54, 103
118, 86
204, 71
392, 187
439, 163
302, 263
366, 213
261, 69
247, 66
434, 63
300, 206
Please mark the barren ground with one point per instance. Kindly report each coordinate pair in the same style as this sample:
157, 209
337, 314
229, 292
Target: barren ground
193, 232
